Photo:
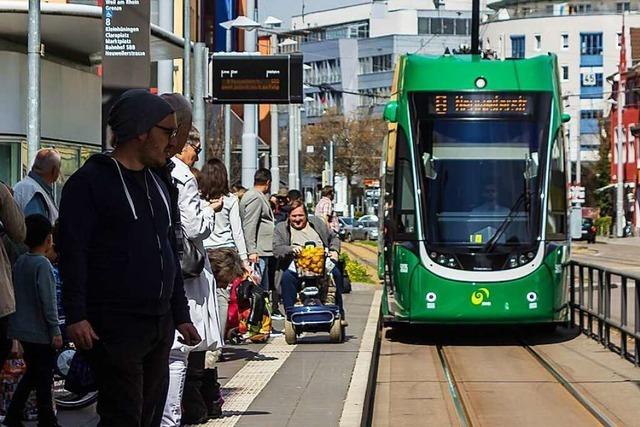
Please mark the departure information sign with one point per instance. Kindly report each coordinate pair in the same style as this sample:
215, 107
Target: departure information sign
480, 104
255, 79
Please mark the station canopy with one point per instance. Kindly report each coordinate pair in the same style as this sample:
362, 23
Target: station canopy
74, 31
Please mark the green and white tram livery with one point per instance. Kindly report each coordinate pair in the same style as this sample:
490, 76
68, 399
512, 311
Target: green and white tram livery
475, 200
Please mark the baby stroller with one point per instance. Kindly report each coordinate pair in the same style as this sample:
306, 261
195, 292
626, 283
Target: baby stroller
315, 310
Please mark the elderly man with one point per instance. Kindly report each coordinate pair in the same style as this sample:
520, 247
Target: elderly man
34, 193
290, 238
122, 289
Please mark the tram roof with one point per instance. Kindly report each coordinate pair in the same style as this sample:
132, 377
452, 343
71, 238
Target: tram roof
460, 72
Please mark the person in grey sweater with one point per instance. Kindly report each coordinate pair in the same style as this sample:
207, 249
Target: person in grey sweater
258, 223
35, 323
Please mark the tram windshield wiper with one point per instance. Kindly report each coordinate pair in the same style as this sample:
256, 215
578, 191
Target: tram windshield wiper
491, 243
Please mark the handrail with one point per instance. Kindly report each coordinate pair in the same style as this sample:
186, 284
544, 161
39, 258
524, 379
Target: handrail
602, 306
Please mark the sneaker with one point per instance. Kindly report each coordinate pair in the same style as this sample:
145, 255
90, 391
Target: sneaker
344, 323
215, 411
276, 315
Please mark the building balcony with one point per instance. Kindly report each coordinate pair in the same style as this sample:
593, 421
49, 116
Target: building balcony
591, 92
589, 126
591, 60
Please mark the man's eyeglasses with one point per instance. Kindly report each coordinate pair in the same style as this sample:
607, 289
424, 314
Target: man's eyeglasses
172, 132
196, 148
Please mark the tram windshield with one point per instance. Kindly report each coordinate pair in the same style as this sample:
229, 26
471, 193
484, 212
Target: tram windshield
481, 156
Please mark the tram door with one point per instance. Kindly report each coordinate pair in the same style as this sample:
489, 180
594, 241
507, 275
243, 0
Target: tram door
402, 223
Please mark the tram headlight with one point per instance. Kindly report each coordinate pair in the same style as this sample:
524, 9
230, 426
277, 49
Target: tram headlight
513, 261
522, 259
452, 263
442, 259
433, 255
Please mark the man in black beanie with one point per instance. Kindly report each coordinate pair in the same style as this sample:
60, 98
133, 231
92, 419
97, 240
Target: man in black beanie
122, 288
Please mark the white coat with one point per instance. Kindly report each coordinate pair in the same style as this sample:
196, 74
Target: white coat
197, 224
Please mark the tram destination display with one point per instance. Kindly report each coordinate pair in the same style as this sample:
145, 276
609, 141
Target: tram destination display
255, 79
481, 104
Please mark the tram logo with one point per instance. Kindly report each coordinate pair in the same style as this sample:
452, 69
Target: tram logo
480, 297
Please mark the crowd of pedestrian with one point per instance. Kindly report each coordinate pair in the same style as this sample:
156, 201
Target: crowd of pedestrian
155, 264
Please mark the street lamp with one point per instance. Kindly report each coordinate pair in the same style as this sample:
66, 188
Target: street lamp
227, 25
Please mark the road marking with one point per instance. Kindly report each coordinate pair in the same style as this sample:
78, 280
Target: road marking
249, 381
354, 403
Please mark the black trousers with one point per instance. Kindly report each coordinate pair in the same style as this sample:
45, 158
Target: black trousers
201, 390
5, 342
40, 360
131, 363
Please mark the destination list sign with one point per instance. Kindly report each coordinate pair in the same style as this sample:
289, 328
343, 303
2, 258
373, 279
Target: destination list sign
126, 62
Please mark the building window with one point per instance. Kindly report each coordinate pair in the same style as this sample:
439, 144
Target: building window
565, 41
590, 85
583, 8
517, 46
376, 64
591, 43
447, 26
623, 7
538, 41
436, 25
375, 96
423, 25
565, 72
462, 27
589, 121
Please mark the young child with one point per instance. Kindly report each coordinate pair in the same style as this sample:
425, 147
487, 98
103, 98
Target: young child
35, 323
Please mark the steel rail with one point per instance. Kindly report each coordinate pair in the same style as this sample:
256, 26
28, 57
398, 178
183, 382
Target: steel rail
454, 391
586, 403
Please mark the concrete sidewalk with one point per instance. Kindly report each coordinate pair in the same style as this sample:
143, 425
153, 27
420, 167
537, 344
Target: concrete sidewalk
276, 384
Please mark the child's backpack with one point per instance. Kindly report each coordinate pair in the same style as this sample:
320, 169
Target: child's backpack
248, 314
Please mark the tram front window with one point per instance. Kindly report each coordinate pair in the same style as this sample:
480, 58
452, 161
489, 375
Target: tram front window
482, 175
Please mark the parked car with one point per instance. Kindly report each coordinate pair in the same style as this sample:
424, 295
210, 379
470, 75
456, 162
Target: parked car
366, 228
346, 224
588, 230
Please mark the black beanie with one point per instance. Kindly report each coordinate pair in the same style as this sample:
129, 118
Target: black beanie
135, 113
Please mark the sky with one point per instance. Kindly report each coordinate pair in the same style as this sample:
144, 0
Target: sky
285, 9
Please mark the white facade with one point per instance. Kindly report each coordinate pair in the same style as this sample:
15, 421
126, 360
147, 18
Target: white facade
563, 35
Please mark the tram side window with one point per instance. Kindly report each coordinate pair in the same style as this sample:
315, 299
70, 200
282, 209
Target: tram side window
405, 205
557, 199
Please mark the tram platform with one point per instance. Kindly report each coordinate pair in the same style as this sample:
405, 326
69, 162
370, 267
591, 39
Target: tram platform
313, 383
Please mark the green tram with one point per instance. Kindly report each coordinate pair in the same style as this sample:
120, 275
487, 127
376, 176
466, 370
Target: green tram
474, 209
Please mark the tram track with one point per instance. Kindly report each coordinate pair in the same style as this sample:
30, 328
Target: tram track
466, 395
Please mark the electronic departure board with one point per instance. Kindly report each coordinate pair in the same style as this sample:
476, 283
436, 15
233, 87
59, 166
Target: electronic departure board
480, 104
255, 79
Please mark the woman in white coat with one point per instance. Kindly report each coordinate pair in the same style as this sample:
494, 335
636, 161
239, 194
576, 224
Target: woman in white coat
197, 222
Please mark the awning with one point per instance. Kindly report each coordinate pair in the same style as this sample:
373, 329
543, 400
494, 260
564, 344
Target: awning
74, 31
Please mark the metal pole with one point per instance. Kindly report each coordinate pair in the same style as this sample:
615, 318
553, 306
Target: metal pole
227, 117
186, 55
292, 147
579, 155
249, 134
475, 27
198, 93
299, 146
33, 72
620, 219
165, 67
275, 138
204, 78
331, 154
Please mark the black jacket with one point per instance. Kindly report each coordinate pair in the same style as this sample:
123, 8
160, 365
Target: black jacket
116, 253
